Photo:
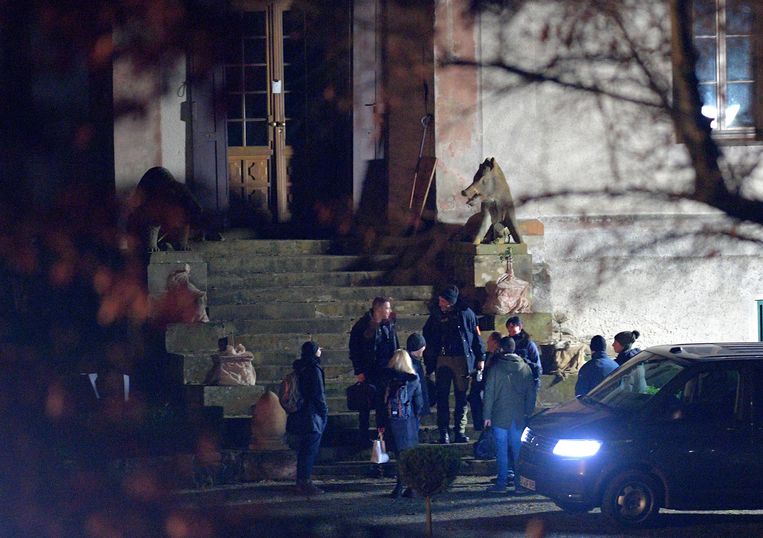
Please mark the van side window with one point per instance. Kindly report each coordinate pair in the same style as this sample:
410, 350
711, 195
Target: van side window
710, 395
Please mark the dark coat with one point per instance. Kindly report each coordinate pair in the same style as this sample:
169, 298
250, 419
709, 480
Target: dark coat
594, 371
313, 415
402, 433
626, 354
419, 367
473, 347
509, 391
371, 347
528, 350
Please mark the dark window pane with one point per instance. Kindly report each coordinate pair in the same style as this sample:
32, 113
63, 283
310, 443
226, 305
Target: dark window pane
233, 49
706, 61
294, 77
256, 78
739, 109
704, 17
256, 105
233, 78
294, 128
738, 58
235, 137
254, 51
254, 23
293, 51
293, 24
295, 104
234, 103
739, 16
256, 133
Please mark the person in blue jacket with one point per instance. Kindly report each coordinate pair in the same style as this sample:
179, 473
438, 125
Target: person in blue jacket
400, 408
525, 347
594, 371
623, 346
415, 345
454, 347
306, 425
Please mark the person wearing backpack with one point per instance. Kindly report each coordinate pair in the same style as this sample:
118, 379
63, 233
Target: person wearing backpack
400, 408
509, 400
305, 426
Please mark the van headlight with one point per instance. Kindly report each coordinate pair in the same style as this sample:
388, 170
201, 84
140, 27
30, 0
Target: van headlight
576, 448
525, 435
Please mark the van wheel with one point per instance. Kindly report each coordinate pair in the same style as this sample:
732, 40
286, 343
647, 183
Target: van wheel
631, 499
572, 508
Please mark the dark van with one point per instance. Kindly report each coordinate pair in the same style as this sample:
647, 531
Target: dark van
678, 427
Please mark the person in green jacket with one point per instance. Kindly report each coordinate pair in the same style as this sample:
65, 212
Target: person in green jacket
508, 400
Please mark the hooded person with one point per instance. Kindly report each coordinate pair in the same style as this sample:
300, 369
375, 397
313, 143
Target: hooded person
400, 408
306, 425
595, 370
454, 347
508, 402
415, 345
623, 346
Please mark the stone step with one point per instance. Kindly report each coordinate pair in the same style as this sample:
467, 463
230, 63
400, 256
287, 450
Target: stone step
357, 469
318, 325
290, 247
287, 279
288, 310
246, 265
324, 293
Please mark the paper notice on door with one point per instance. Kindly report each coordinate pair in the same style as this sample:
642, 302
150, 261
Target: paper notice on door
277, 86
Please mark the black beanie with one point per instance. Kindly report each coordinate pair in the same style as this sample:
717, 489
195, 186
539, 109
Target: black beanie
598, 343
626, 338
514, 320
415, 342
450, 294
309, 349
508, 345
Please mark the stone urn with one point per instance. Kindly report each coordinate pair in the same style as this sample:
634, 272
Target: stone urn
269, 458
268, 424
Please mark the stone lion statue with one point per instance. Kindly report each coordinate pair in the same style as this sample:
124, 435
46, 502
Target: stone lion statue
496, 217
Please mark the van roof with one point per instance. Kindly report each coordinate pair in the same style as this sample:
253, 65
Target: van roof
711, 351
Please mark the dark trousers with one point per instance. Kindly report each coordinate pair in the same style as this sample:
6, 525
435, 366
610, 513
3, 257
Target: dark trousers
451, 370
364, 416
308, 445
476, 405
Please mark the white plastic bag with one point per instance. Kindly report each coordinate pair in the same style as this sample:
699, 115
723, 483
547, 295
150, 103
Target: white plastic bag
379, 451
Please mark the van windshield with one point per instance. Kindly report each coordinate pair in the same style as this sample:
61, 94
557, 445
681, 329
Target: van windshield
629, 388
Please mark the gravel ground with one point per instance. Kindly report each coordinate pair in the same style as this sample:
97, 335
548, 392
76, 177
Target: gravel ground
360, 508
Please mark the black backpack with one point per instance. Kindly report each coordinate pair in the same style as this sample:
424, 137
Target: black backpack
397, 400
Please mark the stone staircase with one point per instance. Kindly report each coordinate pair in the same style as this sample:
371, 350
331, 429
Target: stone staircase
271, 296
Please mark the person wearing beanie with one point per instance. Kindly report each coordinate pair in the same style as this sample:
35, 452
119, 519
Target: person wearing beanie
623, 346
595, 370
509, 401
373, 340
306, 425
415, 345
454, 347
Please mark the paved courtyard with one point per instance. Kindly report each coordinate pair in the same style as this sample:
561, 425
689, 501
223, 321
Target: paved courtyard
360, 508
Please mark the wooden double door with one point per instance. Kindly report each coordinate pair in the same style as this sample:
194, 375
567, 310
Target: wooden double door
265, 101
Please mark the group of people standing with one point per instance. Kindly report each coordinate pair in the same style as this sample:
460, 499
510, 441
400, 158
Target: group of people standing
601, 365
505, 380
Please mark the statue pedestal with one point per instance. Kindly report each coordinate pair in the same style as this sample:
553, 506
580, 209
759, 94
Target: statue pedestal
269, 458
270, 465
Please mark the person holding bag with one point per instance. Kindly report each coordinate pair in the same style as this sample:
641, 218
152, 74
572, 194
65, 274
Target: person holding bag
400, 408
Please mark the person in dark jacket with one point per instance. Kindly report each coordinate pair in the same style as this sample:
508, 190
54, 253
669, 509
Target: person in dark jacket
415, 345
623, 346
400, 418
478, 380
594, 371
454, 346
509, 401
373, 340
306, 425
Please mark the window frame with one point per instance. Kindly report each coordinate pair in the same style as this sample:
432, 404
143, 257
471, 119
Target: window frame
739, 135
